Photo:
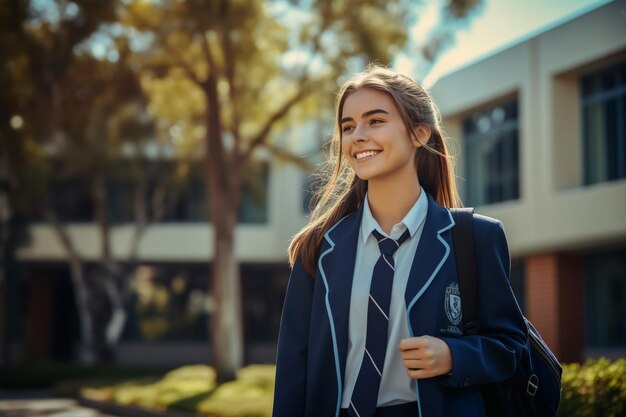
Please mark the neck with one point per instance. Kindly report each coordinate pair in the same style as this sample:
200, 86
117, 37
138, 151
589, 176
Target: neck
390, 203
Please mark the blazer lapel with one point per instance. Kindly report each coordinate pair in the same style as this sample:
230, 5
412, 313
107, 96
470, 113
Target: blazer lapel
432, 252
336, 268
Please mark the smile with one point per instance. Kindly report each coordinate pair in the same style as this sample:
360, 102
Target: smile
365, 154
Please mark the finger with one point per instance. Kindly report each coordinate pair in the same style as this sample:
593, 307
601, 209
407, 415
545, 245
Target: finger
419, 373
413, 364
410, 354
407, 344
421, 353
411, 343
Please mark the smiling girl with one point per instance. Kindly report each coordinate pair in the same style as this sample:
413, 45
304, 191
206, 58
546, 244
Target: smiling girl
371, 319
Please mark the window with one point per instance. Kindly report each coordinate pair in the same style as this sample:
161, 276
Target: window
490, 139
604, 119
169, 302
70, 199
263, 289
606, 299
173, 302
171, 193
310, 187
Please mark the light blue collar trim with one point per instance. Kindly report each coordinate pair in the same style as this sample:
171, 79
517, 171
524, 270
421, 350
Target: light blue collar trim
412, 221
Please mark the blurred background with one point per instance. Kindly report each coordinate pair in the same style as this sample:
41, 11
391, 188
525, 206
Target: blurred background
157, 156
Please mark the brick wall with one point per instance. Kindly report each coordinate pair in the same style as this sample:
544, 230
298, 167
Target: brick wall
554, 302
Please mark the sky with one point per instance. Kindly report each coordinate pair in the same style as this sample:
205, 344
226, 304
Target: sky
503, 23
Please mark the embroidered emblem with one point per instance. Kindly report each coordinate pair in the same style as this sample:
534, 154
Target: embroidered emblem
453, 304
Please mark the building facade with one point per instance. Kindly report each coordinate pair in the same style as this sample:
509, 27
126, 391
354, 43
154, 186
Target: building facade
541, 131
168, 275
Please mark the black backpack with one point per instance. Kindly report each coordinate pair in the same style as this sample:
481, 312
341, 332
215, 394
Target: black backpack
535, 388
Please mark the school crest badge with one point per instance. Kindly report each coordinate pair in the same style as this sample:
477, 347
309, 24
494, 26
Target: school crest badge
453, 304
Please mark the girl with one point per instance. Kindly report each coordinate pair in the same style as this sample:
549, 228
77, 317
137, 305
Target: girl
372, 316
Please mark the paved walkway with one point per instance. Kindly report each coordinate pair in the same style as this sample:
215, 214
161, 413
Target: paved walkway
47, 407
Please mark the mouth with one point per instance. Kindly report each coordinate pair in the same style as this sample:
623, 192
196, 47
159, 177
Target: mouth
365, 154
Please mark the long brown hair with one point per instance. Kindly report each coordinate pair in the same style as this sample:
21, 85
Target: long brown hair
343, 191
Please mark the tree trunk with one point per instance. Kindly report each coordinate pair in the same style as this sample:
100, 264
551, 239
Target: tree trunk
81, 293
227, 333
117, 316
223, 188
6, 255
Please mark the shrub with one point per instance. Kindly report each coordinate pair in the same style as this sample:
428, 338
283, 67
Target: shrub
193, 389
251, 395
595, 389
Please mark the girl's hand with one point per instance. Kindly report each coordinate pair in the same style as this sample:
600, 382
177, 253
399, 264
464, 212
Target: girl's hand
425, 357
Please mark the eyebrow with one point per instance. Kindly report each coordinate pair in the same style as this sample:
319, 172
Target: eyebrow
364, 115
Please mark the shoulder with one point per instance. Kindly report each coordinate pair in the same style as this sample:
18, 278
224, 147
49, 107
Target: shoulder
481, 224
489, 233
484, 224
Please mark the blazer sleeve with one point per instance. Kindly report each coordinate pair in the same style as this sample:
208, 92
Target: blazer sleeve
291, 360
493, 355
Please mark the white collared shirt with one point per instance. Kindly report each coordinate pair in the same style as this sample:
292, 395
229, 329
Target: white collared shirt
396, 386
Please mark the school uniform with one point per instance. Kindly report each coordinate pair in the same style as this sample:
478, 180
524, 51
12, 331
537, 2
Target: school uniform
315, 330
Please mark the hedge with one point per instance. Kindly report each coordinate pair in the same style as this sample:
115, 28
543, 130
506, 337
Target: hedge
595, 389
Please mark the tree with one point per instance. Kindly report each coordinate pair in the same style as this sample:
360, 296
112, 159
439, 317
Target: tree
240, 69
67, 115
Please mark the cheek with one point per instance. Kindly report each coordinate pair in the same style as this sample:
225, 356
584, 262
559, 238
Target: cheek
345, 148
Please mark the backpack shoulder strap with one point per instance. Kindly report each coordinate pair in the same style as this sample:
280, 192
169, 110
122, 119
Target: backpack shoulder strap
463, 236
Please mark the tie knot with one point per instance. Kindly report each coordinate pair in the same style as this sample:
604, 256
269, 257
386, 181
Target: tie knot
387, 245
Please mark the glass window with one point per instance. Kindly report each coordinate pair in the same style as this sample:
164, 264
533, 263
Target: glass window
263, 290
173, 302
169, 303
310, 187
605, 280
70, 199
171, 192
490, 145
604, 120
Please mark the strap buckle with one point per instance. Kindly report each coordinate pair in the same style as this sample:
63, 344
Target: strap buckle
533, 385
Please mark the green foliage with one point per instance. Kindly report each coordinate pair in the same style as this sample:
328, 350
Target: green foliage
92, 83
193, 388
175, 386
595, 389
251, 395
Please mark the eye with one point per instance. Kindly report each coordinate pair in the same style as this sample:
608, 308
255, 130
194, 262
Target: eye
376, 121
346, 128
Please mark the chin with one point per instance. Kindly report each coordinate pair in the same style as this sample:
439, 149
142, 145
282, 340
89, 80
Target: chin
365, 176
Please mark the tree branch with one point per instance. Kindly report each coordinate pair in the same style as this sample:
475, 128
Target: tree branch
179, 58
283, 154
261, 137
229, 69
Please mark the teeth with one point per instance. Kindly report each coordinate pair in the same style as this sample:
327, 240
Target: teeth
362, 155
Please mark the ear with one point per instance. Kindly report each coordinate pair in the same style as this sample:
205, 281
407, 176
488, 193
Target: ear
421, 135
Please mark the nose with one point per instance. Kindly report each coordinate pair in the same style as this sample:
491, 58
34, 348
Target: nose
359, 134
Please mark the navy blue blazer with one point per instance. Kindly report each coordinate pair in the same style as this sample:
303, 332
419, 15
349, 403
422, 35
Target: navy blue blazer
313, 339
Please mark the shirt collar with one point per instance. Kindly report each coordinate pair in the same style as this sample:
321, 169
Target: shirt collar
411, 221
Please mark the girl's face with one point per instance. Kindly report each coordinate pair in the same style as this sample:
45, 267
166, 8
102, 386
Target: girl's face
374, 139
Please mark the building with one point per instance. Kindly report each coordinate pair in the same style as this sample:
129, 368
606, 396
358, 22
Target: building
170, 308
542, 129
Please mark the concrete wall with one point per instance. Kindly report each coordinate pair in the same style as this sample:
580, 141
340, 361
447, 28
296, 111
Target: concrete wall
555, 211
190, 241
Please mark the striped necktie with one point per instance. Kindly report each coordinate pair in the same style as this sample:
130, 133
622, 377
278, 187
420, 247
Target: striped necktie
365, 394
